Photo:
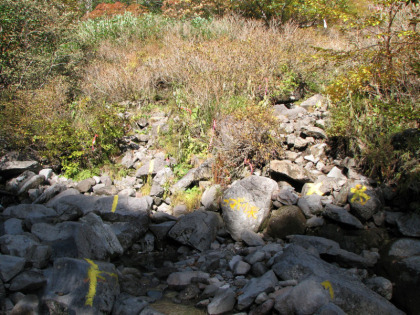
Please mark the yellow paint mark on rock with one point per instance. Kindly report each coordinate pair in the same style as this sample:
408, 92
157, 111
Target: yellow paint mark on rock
314, 189
327, 285
114, 203
241, 204
359, 194
93, 275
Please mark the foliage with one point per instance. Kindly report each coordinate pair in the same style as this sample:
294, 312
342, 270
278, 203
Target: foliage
377, 96
190, 197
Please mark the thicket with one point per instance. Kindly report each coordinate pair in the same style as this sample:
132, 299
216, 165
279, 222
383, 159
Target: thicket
63, 79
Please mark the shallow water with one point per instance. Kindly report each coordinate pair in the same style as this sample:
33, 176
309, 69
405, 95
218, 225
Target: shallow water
167, 307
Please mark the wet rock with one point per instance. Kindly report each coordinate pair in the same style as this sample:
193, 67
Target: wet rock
10, 266
285, 221
409, 224
85, 185
223, 301
255, 286
81, 287
197, 229
290, 170
246, 204
126, 304
341, 215
349, 293
28, 281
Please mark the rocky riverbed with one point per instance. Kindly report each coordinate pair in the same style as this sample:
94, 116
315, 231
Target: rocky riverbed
305, 235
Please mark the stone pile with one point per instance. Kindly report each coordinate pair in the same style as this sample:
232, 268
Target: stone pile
311, 237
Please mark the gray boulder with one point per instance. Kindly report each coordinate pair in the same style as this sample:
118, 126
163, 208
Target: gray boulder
409, 224
78, 286
341, 215
162, 177
13, 226
311, 205
246, 204
223, 302
86, 185
211, 198
285, 221
30, 213
31, 183
126, 304
180, 280
50, 192
28, 304
315, 101
285, 196
363, 201
10, 266
14, 168
28, 281
197, 229
348, 292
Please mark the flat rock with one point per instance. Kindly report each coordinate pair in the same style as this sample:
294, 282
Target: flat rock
15, 168
31, 213
10, 266
28, 281
246, 204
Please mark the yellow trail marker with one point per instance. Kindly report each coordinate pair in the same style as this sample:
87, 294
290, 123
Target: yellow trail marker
151, 166
327, 285
314, 189
359, 193
93, 274
114, 203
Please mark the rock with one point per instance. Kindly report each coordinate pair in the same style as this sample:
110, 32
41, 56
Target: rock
30, 213
127, 233
197, 229
46, 172
310, 131
246, 204
15, 184
13, 226
305, 298
286, 196
401, 263
336, 173
161, 179
241, 268
330, 309
381, 286
85, 185
346, 291
126, 304
28, 281
341, 215
288, 170
86, 239
10, 266
14, 168
285, 221
311, 205
255, 286
180, 280
27, 247
315, 222
128, 159
180, 210
223, 302
31, 183
316, 101
110, 190
263, 309
255, 257
29, 304
211, 198
363, 202
56, 200
81, 287
189, 293
289, 113
50, 192
151, 167
127, 192
409, 224
251, 238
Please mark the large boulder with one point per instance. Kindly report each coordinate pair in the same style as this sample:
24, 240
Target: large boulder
13, 168
246, 204
81, 286
289, 171
346, 291
197, 229
31, 213
364, 201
